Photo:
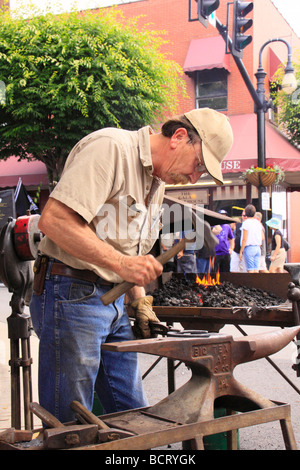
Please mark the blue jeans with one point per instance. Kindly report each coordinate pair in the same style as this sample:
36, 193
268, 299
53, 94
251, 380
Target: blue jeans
202, 265
252, 255
187, 263
72, 323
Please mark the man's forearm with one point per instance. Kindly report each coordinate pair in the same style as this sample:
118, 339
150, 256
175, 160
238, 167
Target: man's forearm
73, 235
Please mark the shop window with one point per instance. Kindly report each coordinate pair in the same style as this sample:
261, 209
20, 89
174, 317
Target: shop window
211, 89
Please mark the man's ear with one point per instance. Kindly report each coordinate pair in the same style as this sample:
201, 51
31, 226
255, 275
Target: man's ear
179, 135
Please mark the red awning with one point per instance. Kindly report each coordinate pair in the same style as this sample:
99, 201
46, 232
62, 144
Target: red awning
243, 153
274, 64
32, 172
205, 54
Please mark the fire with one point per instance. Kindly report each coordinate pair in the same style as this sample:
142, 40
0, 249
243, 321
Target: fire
208, 280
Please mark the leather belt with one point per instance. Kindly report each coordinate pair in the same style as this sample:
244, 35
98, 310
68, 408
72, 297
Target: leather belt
62, 269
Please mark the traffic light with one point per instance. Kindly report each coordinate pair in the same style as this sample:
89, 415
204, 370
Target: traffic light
205, 8
240, 25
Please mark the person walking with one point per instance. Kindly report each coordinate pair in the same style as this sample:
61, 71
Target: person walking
262, 262
237, 265
225, 246
278, 253
251, 240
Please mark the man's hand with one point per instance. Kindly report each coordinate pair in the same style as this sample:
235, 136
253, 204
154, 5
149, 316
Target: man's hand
140, 270
144, 315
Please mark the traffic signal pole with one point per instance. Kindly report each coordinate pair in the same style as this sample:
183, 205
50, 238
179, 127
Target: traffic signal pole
258, 97
235, 46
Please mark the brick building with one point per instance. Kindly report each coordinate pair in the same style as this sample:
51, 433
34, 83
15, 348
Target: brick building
213, 79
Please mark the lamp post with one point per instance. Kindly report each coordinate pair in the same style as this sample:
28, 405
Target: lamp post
289, 85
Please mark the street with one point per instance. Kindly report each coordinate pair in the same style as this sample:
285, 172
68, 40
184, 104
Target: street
260, 376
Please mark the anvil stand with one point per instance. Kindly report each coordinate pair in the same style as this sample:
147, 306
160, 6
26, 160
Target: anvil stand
188, 413
17, 276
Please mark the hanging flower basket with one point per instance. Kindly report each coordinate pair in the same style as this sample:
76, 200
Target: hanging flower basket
264, 176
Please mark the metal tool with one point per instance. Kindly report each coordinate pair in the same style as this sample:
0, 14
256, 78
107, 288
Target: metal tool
60, 436
105, 433
17, 275
123, 287
188, 413
212, 359
209, 240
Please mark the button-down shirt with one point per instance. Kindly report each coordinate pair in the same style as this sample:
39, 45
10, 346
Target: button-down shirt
107, 180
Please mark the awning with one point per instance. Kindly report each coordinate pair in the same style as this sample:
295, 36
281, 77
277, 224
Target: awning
243, 153
32, 172
274, 64
205, 54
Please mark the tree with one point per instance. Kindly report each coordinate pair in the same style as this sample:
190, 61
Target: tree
70, 74
288, 116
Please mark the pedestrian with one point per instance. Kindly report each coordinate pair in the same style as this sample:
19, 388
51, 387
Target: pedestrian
186, 258
96, 236
252, 238
225, 246
237, 265
262, 263
278, 253
204, 259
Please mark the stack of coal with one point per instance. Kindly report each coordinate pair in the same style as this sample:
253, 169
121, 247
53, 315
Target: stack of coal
181, 292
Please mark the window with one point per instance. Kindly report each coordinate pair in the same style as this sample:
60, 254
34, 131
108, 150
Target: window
211, 89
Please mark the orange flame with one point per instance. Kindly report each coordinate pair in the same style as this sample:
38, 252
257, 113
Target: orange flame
208, 280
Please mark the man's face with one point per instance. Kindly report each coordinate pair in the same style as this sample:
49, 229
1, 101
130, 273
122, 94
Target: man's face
186, 164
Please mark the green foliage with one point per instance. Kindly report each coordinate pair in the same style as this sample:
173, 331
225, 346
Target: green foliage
289, 107
70, 74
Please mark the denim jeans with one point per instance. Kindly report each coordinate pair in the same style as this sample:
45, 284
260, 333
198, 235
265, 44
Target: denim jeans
72, 323
187, 263
252, 255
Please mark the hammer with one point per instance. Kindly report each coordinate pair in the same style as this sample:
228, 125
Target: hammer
60, 436
210, 241
124, 286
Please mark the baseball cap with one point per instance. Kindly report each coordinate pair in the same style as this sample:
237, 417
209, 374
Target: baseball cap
273, 223
216, 136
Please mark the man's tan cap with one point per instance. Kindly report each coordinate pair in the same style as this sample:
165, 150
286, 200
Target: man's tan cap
216, 136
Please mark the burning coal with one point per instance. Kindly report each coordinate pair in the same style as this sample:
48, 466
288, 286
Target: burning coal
209, 292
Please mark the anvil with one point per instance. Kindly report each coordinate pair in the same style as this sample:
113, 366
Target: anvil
212, 358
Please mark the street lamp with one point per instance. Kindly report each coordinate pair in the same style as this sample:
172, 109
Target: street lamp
235, 46
289, 84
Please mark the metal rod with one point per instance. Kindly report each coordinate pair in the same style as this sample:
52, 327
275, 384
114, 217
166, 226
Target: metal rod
151, 368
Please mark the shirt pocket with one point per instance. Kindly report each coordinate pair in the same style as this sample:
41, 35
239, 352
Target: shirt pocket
120, 222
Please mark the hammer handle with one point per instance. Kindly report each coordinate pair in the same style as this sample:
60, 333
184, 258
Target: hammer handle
47, 418
88, 415
124, 286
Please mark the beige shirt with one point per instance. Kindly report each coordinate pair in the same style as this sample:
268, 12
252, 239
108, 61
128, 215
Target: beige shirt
108, 180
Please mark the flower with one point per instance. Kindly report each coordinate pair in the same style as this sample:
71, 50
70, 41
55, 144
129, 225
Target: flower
269, 169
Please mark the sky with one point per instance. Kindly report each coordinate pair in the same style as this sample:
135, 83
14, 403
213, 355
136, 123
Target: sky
290, 9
